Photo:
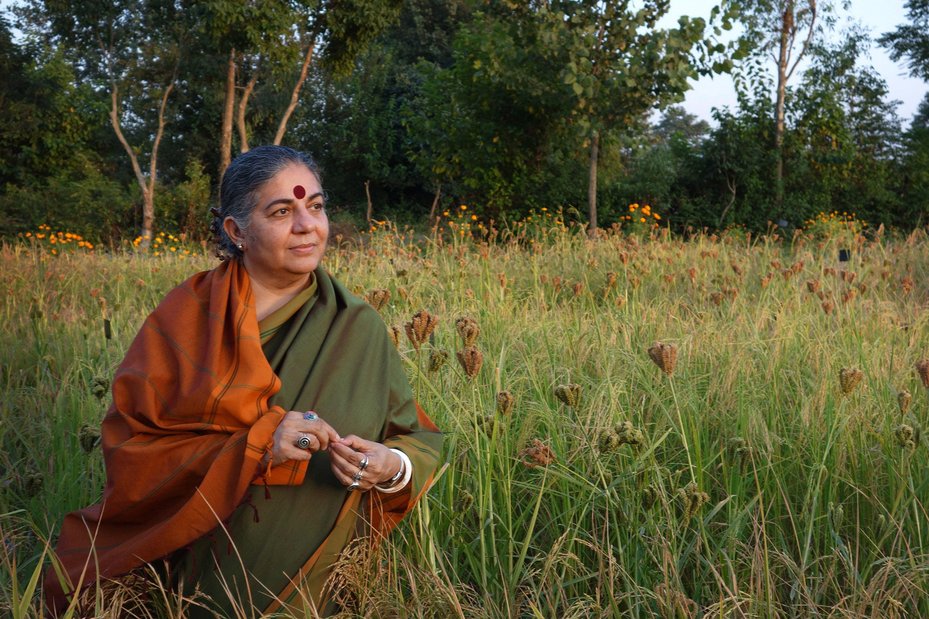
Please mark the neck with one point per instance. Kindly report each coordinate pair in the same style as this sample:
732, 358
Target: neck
270, 297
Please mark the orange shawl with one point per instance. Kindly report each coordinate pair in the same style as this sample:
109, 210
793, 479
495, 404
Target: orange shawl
185, 436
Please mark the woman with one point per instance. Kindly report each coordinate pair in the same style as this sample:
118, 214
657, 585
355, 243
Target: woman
261, 395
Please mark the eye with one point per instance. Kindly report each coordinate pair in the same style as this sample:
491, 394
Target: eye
282, 211
317, 206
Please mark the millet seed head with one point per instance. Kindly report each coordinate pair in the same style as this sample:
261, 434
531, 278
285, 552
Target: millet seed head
420, 328
664, 356
922, 368
849, 379
505, 403
394, 332
471, 360
437, 359
904, 398
468, 330
569, 394
377, 298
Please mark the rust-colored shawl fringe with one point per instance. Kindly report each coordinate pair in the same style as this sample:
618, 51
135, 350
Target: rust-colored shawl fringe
184, 438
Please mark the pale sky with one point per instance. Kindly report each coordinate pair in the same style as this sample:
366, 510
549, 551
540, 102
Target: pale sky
877, 16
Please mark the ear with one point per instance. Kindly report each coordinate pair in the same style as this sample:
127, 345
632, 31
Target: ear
232, 230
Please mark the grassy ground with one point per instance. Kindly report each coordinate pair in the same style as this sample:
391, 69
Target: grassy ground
746, 480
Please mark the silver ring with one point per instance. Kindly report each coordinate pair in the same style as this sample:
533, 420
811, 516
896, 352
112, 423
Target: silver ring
310, 416
354, 486
363, 464
304, 441
357, 476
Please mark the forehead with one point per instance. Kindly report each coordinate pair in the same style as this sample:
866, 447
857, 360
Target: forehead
282, 184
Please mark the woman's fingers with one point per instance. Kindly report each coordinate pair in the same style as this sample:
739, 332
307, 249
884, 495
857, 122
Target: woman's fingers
353, 455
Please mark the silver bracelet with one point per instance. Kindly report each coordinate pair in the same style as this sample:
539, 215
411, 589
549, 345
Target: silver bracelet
399, 481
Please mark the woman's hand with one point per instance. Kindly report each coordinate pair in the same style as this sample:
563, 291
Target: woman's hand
297, 425
347, 455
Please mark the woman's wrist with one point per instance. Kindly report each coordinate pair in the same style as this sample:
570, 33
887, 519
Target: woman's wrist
401, 478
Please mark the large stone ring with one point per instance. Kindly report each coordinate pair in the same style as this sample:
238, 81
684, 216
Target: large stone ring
304, 441
310, 416
363, 464
354, 486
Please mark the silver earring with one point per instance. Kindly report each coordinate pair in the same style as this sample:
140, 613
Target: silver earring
240, 246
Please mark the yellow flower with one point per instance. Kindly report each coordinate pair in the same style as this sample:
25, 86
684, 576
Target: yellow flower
464, 207
642, 219
656, 216
473, 217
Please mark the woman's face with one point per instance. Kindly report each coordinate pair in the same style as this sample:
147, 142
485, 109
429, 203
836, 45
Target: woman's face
287, 233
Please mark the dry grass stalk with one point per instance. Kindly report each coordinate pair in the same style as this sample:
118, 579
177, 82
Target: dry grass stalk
664, 356
849, 378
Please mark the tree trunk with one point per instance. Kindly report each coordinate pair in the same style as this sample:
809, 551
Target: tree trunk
592, 185
147, 198
435, 203
225, 144
370, 212
148, 195
240, 115
294, 96
787, 20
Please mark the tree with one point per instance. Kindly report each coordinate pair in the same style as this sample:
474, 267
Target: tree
271, 39
785, 29
131, 49
911, 40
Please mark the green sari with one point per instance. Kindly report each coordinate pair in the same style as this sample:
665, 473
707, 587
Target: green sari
333, 355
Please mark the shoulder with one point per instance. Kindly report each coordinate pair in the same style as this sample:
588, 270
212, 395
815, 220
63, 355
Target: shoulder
363, 317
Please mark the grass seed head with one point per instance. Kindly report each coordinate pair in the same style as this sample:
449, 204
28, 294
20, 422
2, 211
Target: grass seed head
664, 356
437, 359
569, 394
812, 285
537, 454
505, 403
692, 499
471, 360
420, 328
394, 332
907, 435
611, 279
849, 379
907, 284
89, 437
904, 398
922, 368
628, 434
377, 298
468, 330
828, 306
100, 387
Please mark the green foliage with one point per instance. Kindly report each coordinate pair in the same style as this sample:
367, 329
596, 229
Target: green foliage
911, 40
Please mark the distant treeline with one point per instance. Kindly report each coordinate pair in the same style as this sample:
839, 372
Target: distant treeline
119, 117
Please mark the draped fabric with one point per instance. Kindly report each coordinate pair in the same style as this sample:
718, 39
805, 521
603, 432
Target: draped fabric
195, 405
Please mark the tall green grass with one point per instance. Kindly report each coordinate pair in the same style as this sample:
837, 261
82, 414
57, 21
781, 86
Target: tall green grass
760, 488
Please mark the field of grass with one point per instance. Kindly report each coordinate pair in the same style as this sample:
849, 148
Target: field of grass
765, 461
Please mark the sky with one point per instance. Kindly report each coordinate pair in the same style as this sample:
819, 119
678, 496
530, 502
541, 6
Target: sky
878, 16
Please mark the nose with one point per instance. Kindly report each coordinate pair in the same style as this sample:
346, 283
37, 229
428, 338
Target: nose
304, 219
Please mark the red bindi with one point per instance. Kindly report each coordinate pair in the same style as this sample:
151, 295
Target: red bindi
299, 192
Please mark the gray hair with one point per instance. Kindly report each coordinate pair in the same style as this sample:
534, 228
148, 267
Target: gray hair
238, 192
